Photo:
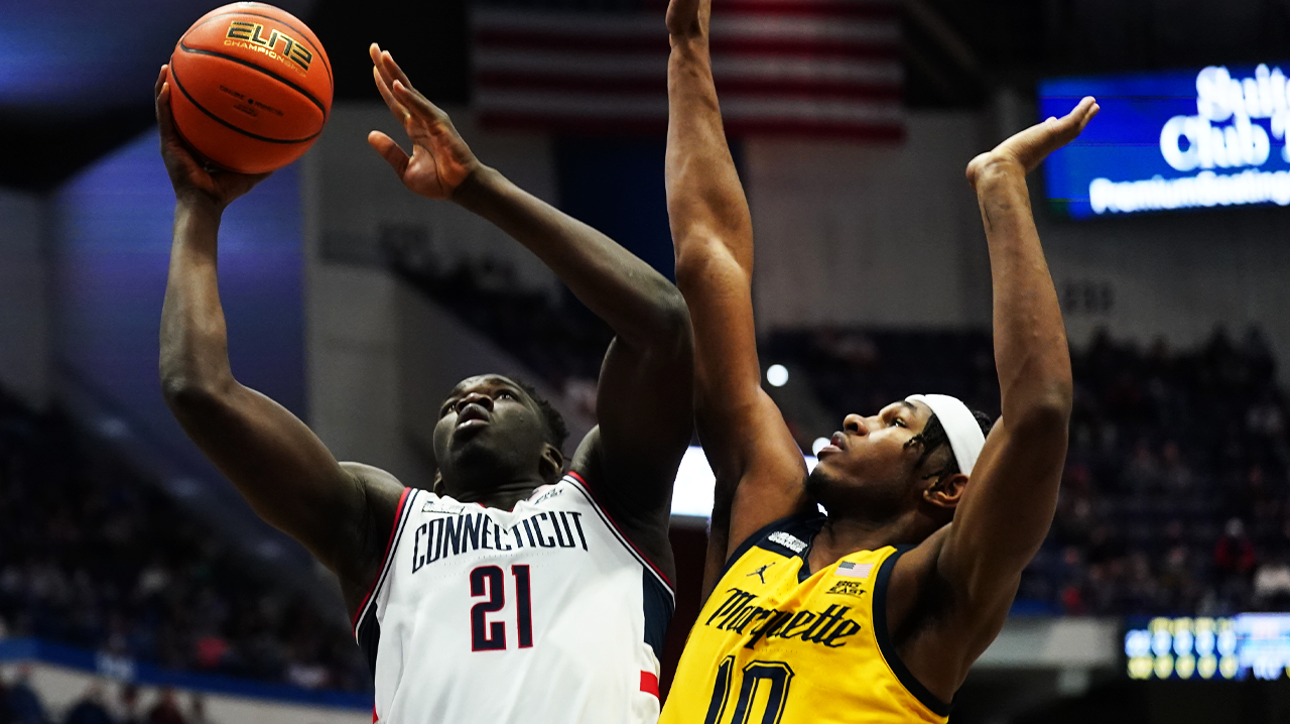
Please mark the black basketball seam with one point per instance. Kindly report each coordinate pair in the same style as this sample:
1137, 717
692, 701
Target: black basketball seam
315, 47
222, 122
253, 66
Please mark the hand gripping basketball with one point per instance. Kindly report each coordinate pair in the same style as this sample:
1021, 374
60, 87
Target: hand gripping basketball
440, 159
190, 178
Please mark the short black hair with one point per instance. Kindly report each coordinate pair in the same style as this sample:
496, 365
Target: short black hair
557, 431
933, 438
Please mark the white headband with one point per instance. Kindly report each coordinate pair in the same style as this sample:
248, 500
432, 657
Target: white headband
964, 432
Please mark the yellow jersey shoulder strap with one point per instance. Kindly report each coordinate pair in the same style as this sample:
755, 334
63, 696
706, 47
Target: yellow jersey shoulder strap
790, 537
887, 647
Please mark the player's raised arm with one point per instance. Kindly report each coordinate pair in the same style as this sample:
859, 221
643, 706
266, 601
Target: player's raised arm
342, 515
744, 435
1008, 505
644, 400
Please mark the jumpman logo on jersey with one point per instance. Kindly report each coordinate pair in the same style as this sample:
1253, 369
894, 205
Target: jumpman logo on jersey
761, 572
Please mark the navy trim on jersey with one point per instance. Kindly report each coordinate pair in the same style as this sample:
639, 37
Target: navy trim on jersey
885, 645
396, 532
576, 480
806, 523
659, 607
369, 641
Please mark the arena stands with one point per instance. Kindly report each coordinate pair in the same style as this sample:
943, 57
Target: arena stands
1174, 500
1175, 496
93, 557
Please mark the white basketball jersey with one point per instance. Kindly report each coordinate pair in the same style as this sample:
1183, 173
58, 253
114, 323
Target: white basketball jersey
545, 614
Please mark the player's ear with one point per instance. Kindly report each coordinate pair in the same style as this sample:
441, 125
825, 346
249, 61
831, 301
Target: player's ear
946, 492
551, 464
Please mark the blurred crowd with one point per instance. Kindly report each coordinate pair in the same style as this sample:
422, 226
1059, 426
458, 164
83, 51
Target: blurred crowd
558, 338
20, 704
91, 556
1176, 489
1176, 497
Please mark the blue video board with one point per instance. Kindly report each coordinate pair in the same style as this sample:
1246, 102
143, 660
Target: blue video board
1204, 138
1234, 648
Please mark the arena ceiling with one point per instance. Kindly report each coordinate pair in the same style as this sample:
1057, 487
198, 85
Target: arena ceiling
76, 75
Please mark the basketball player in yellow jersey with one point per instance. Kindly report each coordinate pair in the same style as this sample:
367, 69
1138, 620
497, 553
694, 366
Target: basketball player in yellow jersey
875, 612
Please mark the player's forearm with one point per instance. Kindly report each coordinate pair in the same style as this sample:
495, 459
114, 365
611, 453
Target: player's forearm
638, 303
1031, 352
712, 238
194, 344
705, 201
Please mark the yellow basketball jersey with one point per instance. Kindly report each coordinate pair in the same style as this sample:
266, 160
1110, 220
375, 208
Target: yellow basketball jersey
777, 644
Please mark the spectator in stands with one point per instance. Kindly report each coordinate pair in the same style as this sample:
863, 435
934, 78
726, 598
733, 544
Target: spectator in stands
127, 706
91, 708
21, 700
1272, 583
1234, 560
197, 709
166, 709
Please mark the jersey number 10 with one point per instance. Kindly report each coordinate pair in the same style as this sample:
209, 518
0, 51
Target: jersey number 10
776, 676
490, 581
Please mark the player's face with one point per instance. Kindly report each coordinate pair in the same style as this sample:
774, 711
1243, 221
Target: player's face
870, 463
488, 422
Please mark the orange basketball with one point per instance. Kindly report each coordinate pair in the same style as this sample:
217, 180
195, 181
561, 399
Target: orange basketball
251, 87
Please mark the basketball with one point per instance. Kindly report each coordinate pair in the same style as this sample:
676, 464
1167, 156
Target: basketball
251, 87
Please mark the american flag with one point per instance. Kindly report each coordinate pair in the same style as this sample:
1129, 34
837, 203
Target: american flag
783, 67
854, 570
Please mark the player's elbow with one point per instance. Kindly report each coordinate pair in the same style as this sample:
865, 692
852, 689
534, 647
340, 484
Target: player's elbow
702, 261
673, 316
1045, 416
189, 395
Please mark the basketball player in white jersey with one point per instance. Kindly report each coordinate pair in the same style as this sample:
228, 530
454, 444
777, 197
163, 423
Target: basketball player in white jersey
512, 592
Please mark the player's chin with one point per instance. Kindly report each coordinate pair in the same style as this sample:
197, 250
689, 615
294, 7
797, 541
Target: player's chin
819, 482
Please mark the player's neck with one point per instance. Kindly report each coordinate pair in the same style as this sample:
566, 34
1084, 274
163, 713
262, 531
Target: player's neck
503, 496
843, 535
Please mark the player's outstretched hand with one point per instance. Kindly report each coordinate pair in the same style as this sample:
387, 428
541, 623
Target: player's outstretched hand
440, 159
1027, 149
190, 177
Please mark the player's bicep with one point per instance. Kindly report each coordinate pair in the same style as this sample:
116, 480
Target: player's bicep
645, 410
718, 291
1005, 513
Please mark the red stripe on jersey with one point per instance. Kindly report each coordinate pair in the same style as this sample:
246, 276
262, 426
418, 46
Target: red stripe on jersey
619, 528
398, 516
649, 683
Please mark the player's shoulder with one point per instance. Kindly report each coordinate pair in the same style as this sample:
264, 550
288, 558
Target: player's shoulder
381, 491
787, 537
374, 479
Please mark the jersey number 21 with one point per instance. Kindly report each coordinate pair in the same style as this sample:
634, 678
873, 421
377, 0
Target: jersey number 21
490, 582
